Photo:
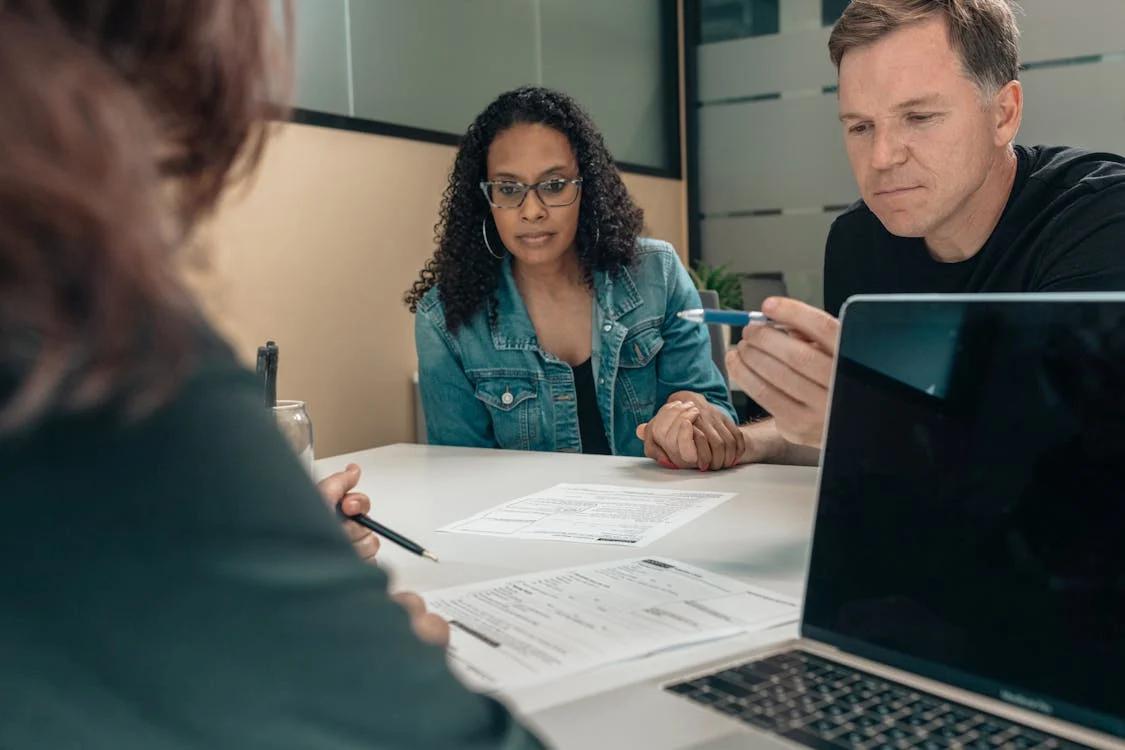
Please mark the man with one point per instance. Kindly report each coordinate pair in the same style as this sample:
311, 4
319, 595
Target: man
930, 105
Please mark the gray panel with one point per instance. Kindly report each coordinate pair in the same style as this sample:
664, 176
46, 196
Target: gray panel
785, 153
764, 65
1053, 29
793, 245
609, 56
437, 63
1079, 105
321, 62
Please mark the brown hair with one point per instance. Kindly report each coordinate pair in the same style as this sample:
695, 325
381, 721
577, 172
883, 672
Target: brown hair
982, 32
123, 122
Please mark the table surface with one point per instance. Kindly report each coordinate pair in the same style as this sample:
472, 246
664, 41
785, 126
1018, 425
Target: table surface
760, 536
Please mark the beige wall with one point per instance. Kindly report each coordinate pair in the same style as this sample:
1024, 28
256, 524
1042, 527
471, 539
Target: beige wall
316, 254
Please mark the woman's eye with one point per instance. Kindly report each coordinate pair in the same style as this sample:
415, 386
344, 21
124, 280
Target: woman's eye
554, 186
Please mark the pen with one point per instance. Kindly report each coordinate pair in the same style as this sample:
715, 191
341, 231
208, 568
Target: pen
271, 374
260, 369
388, 534
738, 318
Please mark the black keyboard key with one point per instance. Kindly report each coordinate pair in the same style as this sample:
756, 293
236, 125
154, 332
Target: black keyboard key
680, 688
854, 738
719, 685
810, 740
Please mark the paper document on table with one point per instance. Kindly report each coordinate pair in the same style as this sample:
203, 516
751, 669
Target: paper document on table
592, 514
528, 629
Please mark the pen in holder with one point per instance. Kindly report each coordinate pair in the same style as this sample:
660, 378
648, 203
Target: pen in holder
294, 423
292, 417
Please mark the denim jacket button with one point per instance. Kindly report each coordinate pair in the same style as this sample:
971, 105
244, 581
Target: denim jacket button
506, 398
608, 327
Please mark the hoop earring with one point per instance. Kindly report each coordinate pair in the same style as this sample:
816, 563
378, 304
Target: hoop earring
484, 233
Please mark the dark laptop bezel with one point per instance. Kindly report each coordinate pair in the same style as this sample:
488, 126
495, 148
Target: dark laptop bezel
1014, 695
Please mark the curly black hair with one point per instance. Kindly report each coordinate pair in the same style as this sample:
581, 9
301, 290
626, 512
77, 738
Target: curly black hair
609, 223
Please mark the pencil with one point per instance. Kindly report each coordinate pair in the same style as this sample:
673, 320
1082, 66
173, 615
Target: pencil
388, 534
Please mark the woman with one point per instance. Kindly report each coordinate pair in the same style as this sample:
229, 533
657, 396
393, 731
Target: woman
543, 321
170, 576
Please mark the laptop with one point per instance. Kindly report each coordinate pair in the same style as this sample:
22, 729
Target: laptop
966, 587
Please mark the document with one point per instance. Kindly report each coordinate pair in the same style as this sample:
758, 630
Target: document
592, 514
528, 629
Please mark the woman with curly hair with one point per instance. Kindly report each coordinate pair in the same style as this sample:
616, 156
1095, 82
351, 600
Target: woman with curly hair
544, 322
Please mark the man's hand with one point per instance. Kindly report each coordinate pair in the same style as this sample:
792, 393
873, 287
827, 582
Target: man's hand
340, 485
688, 431
788, 373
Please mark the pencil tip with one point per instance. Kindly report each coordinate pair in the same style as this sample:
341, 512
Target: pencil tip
431, 555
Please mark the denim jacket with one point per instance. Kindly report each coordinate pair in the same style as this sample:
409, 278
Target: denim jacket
492, 386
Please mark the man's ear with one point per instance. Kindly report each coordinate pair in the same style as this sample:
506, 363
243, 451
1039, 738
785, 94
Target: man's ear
1008, 105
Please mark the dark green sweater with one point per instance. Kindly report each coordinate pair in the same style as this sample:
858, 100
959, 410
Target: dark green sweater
179, 583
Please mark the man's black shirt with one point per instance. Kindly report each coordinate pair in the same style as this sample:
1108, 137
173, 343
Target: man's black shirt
1063, 230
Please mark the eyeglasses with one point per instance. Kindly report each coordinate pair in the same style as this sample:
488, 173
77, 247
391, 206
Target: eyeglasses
555, 192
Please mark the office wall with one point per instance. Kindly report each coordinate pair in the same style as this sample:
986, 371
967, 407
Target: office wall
772, 168
316, 253
371, 58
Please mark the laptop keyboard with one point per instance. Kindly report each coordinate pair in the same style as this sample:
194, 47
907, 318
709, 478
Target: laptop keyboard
828, 706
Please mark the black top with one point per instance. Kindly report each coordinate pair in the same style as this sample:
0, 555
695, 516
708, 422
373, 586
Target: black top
590, 426
179, 582
1063, 230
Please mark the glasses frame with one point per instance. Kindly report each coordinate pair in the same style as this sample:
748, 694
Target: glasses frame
486, 184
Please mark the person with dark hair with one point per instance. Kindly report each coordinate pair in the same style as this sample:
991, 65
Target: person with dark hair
171, 577
930, 104
544, 322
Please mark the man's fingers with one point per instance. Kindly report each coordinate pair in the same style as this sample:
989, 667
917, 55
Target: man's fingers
804, 358
777, 403
411, 602
718, 448
808, 320
702, 447
739, 441
780, 375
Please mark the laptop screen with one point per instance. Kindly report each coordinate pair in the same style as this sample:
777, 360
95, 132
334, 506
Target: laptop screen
971, 523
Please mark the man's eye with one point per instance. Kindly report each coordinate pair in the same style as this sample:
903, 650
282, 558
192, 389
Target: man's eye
858, 129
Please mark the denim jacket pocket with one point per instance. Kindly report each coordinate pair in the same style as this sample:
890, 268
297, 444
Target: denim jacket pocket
513, 404
637, 361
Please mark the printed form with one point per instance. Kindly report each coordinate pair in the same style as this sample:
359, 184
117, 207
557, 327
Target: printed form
592, 514
528, 629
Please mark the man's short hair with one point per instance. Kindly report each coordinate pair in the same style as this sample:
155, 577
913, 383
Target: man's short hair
983, 33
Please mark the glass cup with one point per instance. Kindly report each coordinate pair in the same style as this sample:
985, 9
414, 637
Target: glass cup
293, 421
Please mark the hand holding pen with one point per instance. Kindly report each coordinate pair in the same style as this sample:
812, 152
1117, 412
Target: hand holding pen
353, 508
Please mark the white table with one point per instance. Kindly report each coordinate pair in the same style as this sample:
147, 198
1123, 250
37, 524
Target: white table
760, 536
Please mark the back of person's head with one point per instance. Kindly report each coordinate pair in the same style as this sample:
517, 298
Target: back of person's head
121, 125
608, 225
983, 33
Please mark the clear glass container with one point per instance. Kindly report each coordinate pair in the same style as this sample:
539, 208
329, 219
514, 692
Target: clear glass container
294, 423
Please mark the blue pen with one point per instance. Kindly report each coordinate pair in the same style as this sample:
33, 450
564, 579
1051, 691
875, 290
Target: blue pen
737, 318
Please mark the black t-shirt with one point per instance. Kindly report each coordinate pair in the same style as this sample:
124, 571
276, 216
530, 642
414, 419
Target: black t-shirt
591, 428
1063, 230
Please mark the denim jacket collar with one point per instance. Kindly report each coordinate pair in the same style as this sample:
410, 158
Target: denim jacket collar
614, 294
